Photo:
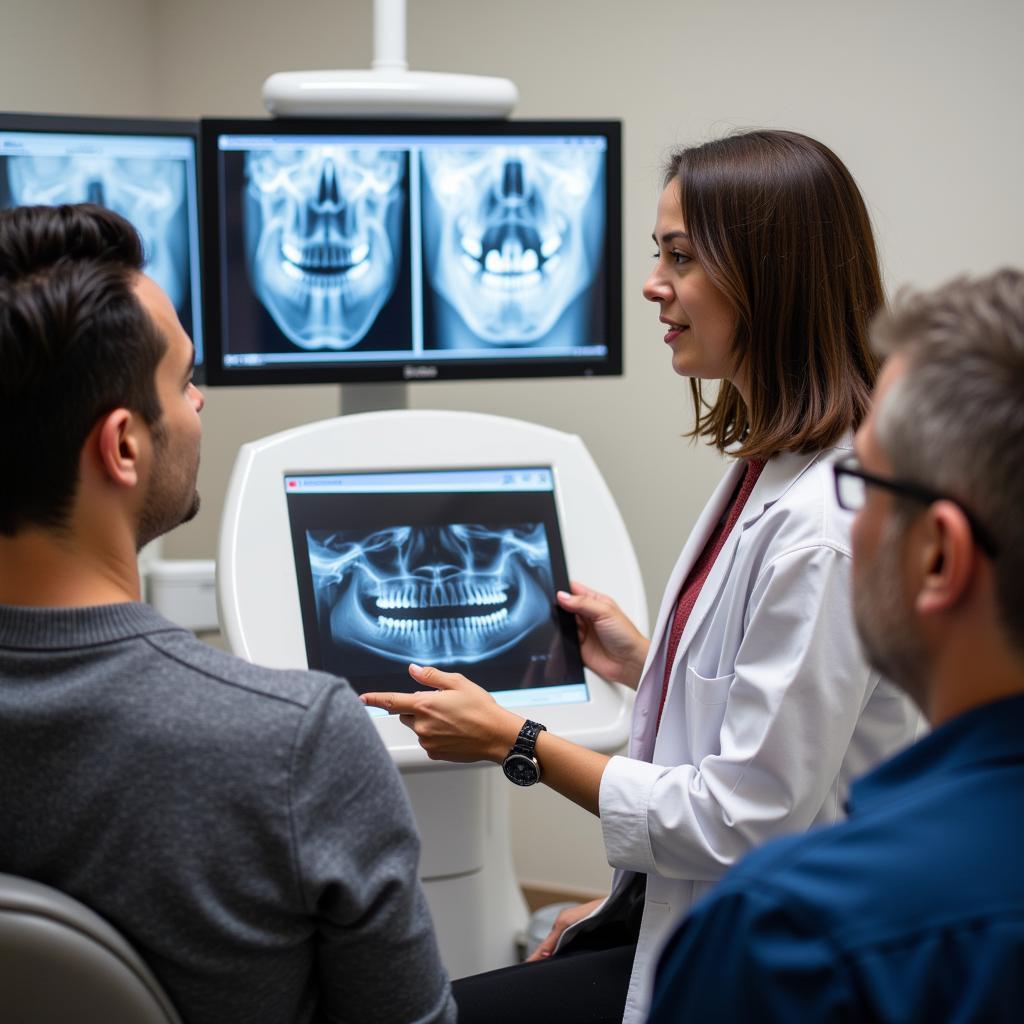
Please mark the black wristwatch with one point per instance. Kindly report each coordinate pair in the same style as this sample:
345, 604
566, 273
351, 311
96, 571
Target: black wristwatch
520, 765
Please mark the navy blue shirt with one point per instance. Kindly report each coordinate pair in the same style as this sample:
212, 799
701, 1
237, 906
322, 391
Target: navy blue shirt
911, 910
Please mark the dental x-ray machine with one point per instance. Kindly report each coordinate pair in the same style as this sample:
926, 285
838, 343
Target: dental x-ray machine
359, 544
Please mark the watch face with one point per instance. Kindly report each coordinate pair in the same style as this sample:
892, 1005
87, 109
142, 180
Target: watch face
520, 769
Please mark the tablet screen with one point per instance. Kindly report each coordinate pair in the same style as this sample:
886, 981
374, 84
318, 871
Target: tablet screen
452, 568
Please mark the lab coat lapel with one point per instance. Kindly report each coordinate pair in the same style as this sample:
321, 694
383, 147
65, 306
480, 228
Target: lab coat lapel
776, 478
691, 552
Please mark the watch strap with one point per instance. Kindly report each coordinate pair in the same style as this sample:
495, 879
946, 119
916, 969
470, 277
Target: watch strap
526, 741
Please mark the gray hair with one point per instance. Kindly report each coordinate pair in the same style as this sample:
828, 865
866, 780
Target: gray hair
954, 421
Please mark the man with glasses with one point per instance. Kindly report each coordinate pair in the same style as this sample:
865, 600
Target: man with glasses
913, 908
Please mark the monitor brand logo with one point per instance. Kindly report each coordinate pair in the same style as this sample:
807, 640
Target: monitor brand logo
419, 372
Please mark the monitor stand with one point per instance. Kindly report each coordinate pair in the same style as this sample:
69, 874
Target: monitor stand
466, 865
462, 811
357, 398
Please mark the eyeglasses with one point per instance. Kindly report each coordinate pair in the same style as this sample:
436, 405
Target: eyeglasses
851, 488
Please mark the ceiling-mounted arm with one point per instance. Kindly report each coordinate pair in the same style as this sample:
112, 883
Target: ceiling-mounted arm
388, 89
389, 35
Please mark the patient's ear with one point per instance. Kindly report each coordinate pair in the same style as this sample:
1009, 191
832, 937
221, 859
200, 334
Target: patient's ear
118, 446
948, 558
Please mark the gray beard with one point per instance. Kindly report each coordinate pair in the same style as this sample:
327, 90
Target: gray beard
884, 620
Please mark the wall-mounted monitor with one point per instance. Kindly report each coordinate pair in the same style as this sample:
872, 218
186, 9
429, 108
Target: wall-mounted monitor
344, 251
145, 170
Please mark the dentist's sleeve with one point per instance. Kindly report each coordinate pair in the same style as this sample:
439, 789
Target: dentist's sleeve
799, 686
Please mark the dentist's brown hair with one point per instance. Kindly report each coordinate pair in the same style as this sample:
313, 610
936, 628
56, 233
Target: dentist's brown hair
780, 227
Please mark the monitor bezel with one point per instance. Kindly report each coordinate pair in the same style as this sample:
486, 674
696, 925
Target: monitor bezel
399, 371
87, 124
565, 622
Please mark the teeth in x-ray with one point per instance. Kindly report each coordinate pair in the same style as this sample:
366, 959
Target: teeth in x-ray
325, 257
550, 246
511, 282
436, 595
513, 259
457, 593
324, 280
472, 246
439, 629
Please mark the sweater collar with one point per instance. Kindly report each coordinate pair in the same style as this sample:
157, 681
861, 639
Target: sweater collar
25, 628
989, 734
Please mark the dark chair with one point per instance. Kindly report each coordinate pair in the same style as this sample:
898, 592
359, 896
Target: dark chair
61, 962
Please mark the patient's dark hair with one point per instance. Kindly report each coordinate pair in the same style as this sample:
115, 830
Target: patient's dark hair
75, 344
779, 226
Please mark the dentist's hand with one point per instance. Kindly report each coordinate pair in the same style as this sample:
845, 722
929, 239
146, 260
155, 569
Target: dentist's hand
567, 917
609, 642
454, 721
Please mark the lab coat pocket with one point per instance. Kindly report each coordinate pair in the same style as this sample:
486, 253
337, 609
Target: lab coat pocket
706, 700
708, 691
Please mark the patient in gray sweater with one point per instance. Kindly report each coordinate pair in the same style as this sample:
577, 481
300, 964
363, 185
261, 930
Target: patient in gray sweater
244, 828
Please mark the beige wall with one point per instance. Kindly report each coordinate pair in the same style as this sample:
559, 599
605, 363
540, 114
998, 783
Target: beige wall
89, 57
921, 98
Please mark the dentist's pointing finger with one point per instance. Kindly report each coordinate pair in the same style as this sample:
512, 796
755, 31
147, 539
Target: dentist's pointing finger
455, 720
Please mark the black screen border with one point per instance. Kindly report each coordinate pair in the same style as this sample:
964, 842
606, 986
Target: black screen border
421, 369
87, 124
312, 628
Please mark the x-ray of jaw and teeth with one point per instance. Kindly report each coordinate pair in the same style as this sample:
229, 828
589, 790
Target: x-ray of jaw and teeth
506, 235
323, 237
504, 231
432, 594
149, 193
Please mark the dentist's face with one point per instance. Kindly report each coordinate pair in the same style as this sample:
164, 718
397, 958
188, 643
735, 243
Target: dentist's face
700, 321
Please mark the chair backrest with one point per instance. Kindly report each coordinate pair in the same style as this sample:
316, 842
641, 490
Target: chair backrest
61, 962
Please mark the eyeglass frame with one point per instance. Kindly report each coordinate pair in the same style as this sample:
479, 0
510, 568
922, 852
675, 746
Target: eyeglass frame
849, 466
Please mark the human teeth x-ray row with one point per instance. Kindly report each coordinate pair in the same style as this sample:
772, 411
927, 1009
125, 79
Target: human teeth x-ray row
461, 592
151, 193
511, 237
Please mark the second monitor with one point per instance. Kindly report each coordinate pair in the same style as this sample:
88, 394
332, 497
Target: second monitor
145, 170
351, 251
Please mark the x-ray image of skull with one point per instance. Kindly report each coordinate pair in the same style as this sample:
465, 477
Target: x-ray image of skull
149, 193
323, 237
512, 234
432, 594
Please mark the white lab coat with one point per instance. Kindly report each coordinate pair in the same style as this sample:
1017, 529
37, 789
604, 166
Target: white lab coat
771, 709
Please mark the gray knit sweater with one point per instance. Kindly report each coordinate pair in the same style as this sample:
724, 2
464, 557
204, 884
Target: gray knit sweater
244, 828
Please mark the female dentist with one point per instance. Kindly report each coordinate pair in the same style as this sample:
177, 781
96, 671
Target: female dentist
754, 706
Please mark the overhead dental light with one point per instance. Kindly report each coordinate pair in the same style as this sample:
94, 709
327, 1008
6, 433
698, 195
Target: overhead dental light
388, 88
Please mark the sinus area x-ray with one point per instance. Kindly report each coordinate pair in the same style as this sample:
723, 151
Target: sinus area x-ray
438, 594
512, 238
323, 238
151, 193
